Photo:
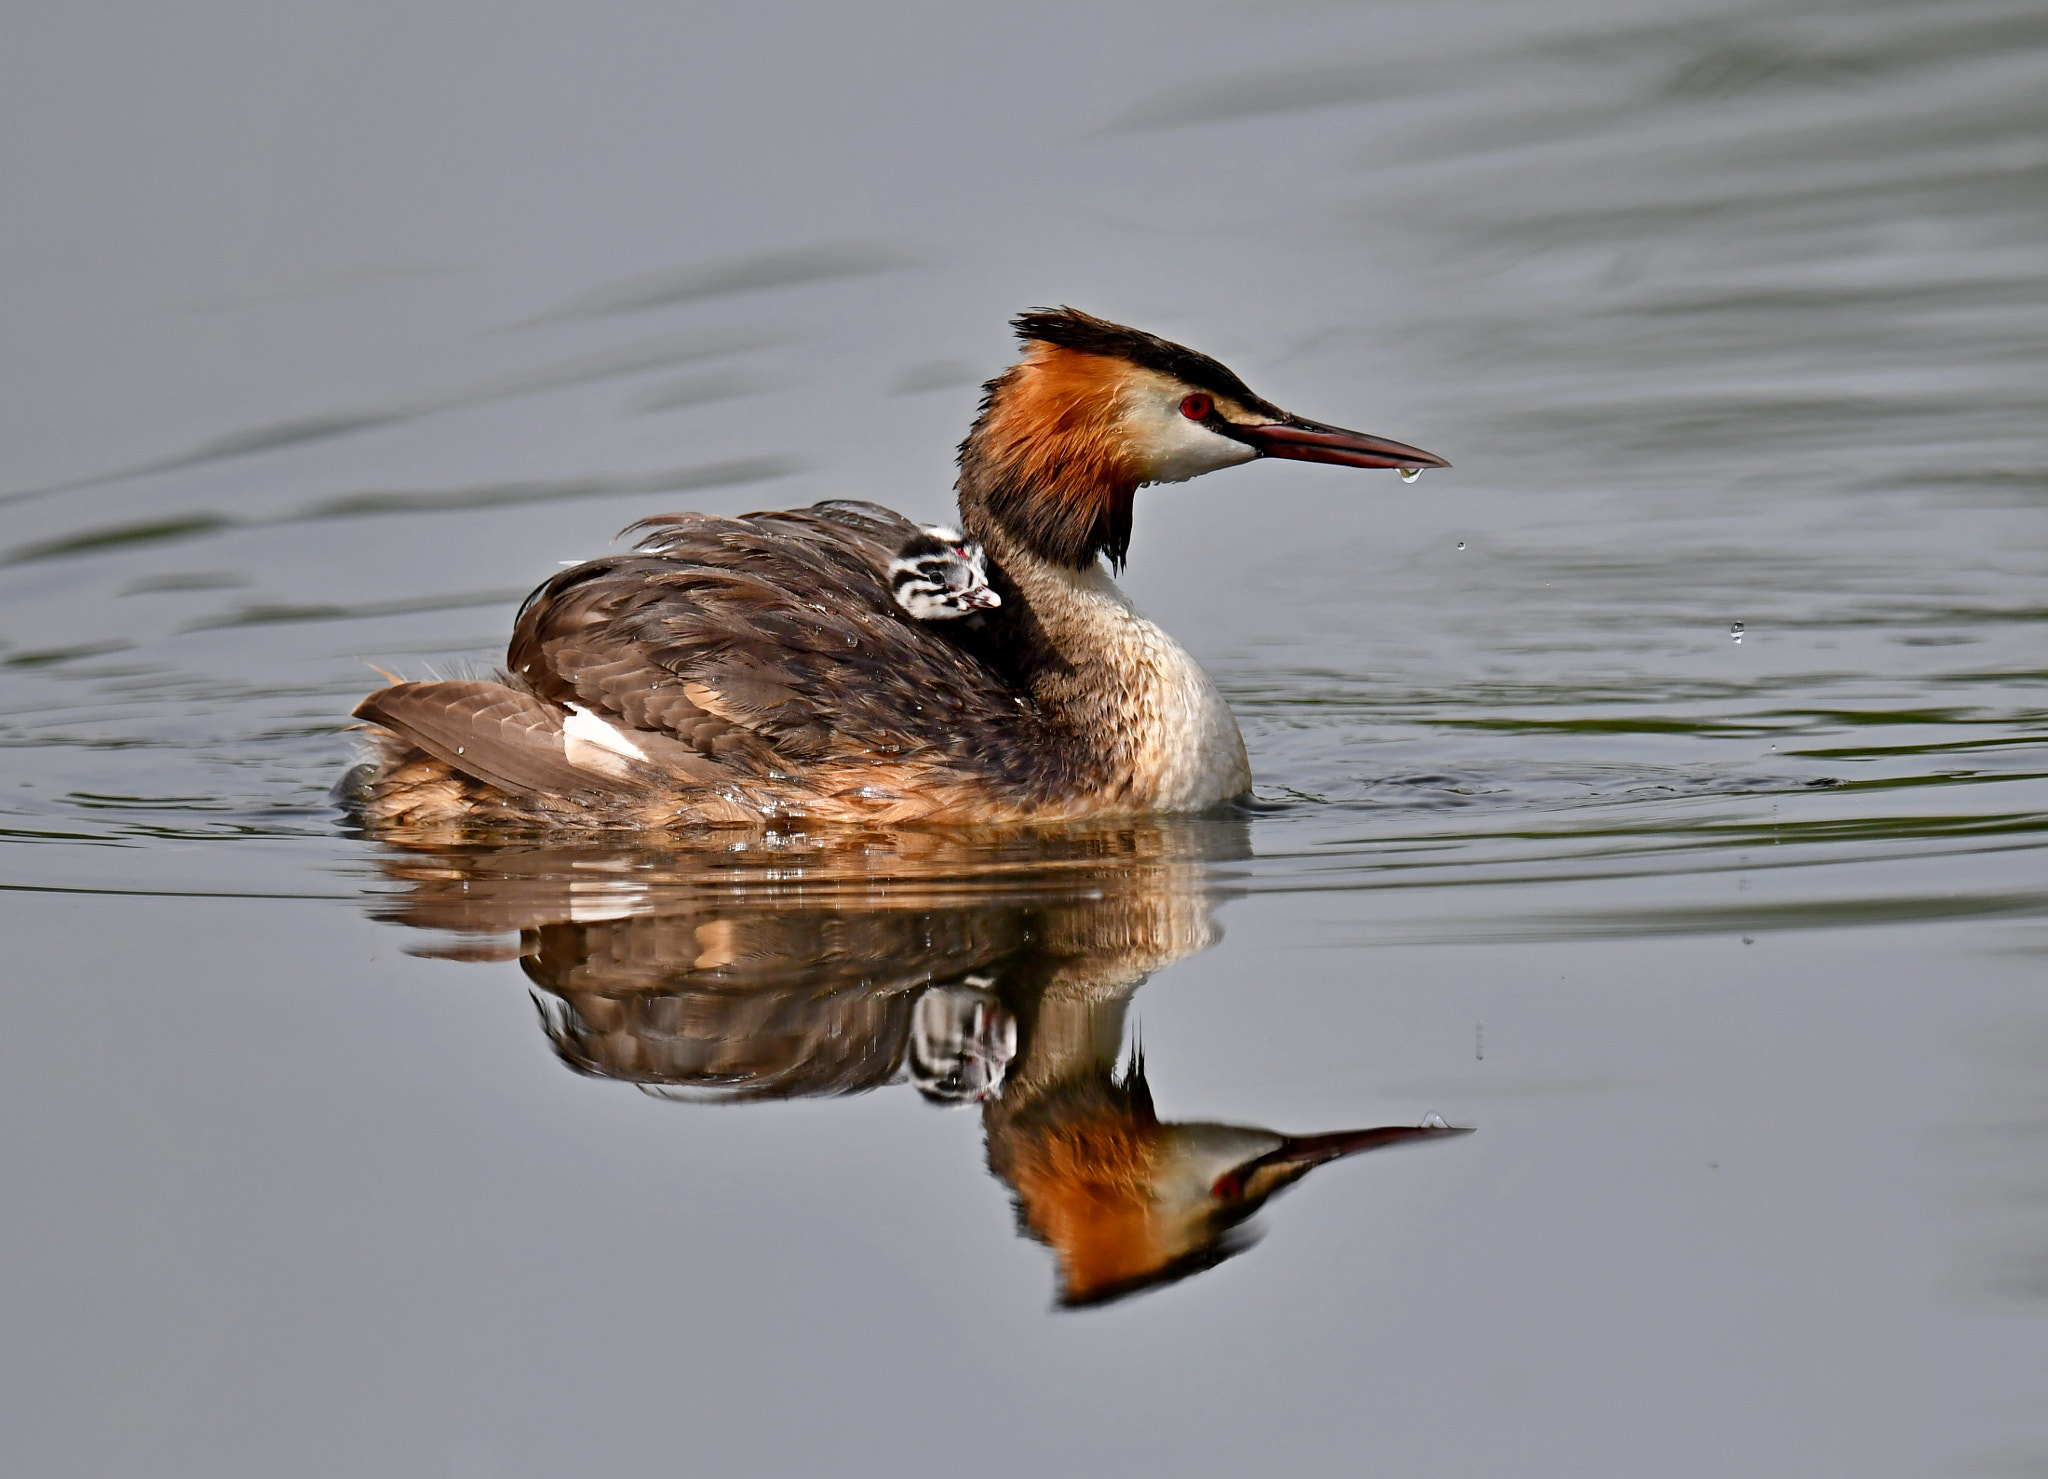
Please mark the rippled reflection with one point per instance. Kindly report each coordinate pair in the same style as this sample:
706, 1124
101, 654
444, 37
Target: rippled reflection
988, 973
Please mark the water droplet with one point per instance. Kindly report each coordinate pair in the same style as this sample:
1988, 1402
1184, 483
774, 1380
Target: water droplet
1435, 1122
1461, 544
1410, 474
1735, 631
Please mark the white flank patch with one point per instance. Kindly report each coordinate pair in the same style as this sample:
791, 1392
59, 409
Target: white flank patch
585, 728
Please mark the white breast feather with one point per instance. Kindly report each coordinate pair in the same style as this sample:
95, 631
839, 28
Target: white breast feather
1187, 752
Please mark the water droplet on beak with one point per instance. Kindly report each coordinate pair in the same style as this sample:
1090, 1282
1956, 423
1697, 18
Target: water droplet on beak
1410, 474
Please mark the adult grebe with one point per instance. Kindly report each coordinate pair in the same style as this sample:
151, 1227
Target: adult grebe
732, 671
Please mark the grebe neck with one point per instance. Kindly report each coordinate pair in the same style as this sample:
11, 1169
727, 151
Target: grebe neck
1159, 734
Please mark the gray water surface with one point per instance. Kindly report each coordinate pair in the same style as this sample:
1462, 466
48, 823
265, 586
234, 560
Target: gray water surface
331, 330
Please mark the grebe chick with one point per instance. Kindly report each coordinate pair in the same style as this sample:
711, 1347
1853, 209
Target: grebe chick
962, 1040
736, 671
941, 575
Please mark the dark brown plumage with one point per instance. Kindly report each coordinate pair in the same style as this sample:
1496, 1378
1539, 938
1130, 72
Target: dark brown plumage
739, 657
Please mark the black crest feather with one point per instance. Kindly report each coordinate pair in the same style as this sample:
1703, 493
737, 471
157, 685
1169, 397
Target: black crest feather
1070, 328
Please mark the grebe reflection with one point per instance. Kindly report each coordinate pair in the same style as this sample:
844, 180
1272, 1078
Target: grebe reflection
992, 974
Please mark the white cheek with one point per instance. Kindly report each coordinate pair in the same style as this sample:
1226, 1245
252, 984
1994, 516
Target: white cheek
1179, 448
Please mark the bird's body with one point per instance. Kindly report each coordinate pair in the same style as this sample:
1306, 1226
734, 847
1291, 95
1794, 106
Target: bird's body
735, 671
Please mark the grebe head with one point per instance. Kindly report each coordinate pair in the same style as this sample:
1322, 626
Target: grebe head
1127, 1201
1096, 410
940, 574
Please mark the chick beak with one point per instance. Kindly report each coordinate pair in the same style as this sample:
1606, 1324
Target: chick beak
983, 599
1311, 441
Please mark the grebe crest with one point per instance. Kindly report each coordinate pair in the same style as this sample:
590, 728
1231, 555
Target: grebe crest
940, 575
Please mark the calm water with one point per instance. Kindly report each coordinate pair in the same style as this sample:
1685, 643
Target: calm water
332, 330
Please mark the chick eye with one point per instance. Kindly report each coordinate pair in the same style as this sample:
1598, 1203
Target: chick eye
1197, 407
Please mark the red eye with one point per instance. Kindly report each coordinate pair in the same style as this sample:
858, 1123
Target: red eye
1197, 407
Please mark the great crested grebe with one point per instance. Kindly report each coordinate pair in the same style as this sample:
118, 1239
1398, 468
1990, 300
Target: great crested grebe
733, 671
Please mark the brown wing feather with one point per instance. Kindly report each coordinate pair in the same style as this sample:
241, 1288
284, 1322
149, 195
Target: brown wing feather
744, 666
497, 734
770, 642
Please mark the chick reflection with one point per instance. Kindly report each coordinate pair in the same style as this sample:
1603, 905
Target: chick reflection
961, 1042
996, 974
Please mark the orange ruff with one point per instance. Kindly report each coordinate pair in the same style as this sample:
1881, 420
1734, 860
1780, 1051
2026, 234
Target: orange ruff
1086, 1190
1054, 426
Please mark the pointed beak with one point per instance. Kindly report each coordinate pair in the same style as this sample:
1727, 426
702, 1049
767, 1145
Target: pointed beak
1314, 1150
983, 599
1311, 441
